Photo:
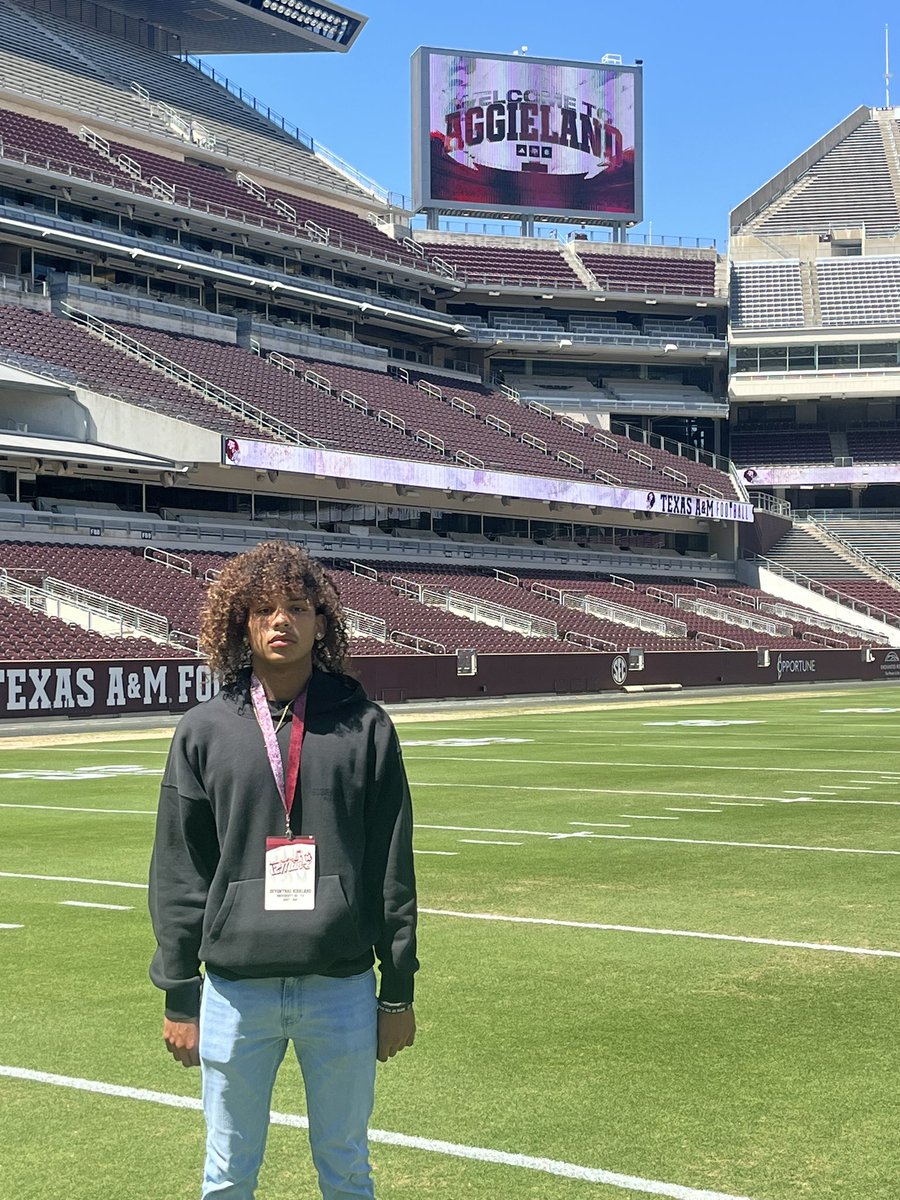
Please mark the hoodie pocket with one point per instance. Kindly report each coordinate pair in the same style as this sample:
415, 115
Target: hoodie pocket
244, 937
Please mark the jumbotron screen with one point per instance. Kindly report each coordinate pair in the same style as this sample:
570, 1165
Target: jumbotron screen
507, 134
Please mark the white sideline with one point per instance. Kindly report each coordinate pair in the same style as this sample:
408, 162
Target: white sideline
682, 933
549, 1166
94, 904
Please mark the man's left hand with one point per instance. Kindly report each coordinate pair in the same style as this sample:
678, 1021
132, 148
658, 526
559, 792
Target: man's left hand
395, 1031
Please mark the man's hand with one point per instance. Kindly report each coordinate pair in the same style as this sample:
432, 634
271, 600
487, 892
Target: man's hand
182, 1040
395, 1031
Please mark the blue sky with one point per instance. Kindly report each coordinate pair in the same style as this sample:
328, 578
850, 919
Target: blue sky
731, 92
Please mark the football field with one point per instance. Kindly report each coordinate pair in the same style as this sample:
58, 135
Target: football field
660, 946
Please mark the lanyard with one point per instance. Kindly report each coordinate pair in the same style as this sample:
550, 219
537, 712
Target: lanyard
285, 780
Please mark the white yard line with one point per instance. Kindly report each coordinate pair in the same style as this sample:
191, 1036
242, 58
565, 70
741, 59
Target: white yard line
601, 824
634, 837
481, 842
12, 926
642, 766
594, 791
695, 810
805, 792
138, 812
117, 749
548, 1166
638, 817
742, 804
91, 904
825, 798
685, 933
72, 879
678, 744
865, 951
442, 853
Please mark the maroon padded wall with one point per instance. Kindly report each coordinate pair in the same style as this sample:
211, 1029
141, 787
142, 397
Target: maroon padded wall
82, 689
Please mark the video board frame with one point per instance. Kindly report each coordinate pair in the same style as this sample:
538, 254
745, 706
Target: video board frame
428, 193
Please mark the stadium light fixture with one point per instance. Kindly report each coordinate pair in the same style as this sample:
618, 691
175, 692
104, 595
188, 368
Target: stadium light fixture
327, 23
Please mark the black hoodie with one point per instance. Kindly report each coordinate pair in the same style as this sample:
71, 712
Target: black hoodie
218, 804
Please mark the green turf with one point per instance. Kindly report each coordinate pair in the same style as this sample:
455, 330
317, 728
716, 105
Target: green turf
753, 1070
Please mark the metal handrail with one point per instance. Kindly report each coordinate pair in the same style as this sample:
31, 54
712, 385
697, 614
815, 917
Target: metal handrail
733, 616
141, 620
872, 563
766, 503
167, 366
390, 199
621, 615
821, 589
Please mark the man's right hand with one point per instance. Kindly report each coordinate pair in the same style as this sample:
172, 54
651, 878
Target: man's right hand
182, 1040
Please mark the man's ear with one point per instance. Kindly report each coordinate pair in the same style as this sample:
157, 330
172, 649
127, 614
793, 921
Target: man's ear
321, 626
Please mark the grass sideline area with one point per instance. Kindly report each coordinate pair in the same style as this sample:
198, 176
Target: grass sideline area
647, 938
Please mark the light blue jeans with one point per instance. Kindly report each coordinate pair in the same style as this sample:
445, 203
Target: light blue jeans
245, 1027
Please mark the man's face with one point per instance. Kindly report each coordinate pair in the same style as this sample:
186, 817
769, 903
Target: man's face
282, 628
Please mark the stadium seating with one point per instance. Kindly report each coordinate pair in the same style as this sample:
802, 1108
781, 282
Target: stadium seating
198, 184
767, 295
874, 445
25, 635
877, 536
850, 186
288, 397
117, 573
802, 552
653, 597
89, 73
788, 446
512, 266
869, 591
649, 273
859, 291
39, 341
611, 454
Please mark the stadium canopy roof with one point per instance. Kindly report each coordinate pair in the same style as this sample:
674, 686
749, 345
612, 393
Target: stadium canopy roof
249, 26
54, 449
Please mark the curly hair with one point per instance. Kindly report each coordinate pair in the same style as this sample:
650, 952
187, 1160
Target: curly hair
268, 570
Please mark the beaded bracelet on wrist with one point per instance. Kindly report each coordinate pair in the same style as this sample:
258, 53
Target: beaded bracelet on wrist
388, 1006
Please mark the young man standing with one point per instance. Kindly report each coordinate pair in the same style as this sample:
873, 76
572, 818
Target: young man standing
283, 858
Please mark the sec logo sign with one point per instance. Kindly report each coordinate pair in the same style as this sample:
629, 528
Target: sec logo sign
619, 670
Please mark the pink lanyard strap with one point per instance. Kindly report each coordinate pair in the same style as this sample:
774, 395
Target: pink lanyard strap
285, 781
